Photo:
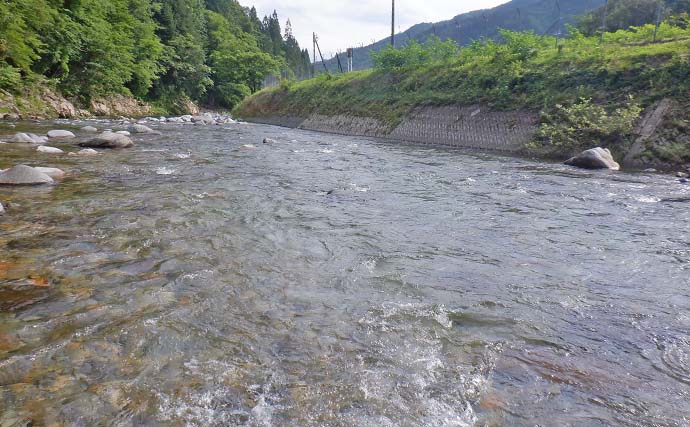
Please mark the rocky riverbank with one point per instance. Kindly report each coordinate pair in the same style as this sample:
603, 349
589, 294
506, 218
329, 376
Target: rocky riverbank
42, 103
75, 141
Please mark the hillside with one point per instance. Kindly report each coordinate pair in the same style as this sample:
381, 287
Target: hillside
585, 93
166, 52
540, 16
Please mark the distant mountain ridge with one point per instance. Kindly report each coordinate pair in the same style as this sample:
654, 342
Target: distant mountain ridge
541, 16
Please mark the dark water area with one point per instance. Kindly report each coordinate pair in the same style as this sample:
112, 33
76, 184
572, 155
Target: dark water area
339, 281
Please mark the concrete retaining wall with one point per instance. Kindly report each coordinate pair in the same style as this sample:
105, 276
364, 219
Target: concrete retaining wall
456, 126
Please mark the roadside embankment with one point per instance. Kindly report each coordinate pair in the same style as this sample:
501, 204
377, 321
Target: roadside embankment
520, 96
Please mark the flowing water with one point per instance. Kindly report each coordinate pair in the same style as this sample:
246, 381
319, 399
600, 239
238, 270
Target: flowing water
339, 281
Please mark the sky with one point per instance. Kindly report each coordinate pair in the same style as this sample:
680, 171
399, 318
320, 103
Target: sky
340, 24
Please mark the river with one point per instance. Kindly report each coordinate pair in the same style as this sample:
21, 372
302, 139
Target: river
339, 281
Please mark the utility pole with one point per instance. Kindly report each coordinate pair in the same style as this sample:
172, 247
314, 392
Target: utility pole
393, 26
313, 64
658, 19
603, 22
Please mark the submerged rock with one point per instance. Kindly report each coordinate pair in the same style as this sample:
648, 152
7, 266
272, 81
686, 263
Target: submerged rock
24, 175
89, 129
49, 150
595, 158
60, 134
109, 140
142, 129
269, 141
247, 147
85, 152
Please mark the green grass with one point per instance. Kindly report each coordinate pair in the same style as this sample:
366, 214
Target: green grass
525, 72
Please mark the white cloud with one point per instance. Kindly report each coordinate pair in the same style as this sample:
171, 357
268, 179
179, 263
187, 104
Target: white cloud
341, 24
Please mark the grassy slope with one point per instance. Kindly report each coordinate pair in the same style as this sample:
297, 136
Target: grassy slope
609, 74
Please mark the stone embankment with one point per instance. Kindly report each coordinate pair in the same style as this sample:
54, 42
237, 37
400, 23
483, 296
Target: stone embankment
478, 127
455, 126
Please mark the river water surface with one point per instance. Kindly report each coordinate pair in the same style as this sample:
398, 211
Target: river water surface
339, 281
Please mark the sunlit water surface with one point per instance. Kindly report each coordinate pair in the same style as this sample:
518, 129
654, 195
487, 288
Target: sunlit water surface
338, 281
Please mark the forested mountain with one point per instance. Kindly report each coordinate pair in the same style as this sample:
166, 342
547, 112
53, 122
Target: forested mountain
622, 14
542, 16
214, 51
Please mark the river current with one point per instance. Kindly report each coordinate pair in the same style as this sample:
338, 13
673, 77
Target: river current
328, 281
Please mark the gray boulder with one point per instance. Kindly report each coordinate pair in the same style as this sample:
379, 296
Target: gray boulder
22, 138
54, 173
60, 134
269, 141
38, 139
49, 150
24, 175
142, 129
108, 140
595, 158
89, 129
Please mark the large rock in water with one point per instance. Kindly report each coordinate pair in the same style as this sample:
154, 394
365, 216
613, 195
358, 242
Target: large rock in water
22, 138
24, 175
595, 158
60, 134
54, 173
142, 129
49, 150
109, 140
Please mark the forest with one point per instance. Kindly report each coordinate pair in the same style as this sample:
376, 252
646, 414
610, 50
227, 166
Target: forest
213, 52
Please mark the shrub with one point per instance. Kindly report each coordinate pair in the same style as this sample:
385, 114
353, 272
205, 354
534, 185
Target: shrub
10, 77
585, 124
414, 54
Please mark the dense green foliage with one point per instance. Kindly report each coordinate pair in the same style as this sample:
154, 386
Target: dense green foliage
213, 51
623, 14
522, 70
579, 124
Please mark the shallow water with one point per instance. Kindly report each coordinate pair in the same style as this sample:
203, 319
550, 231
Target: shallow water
338, 281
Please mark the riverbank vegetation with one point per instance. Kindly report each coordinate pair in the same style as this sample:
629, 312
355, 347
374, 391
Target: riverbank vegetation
213, 52
590, 89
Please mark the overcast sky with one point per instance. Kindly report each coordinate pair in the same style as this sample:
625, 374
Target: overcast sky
343, 23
